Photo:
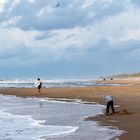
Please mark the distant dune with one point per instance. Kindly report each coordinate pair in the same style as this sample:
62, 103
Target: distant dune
129, 75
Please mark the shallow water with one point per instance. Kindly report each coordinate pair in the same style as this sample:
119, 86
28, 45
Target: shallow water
37, 119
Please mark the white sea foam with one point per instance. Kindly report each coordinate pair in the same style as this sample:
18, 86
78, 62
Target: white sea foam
25, 128
62, 100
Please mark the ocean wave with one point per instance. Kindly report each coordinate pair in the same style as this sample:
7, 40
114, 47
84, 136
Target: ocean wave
26, 128
30, 83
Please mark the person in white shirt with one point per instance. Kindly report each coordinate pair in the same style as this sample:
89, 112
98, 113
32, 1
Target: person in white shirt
38, 83
110, 103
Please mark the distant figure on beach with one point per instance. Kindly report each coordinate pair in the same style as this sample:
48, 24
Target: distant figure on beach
111, 78
110, 103
104, 79
38, 83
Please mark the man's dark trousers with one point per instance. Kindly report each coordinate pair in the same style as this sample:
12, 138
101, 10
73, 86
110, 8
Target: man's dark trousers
110, 103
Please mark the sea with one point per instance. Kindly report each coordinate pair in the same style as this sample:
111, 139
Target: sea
50, 119
51, 83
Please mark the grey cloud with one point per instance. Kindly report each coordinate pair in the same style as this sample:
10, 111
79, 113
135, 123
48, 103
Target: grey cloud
65, 14
136, 2
126, 47
45, 35
109, 8
71, 36
102, 45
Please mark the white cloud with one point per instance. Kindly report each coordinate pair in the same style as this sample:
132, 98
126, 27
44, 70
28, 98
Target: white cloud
2, 2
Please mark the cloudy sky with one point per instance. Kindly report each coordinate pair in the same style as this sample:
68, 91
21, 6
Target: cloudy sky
69, 38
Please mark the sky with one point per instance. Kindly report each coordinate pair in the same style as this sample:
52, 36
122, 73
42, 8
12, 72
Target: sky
69, 39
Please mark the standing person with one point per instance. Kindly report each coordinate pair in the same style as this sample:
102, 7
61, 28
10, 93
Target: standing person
110, 103
39, 85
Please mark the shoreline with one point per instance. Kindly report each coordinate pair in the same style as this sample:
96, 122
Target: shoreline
127, 97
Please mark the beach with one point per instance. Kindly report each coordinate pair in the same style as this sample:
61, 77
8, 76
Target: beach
126, 99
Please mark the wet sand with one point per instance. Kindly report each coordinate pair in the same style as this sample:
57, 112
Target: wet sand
127, 97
